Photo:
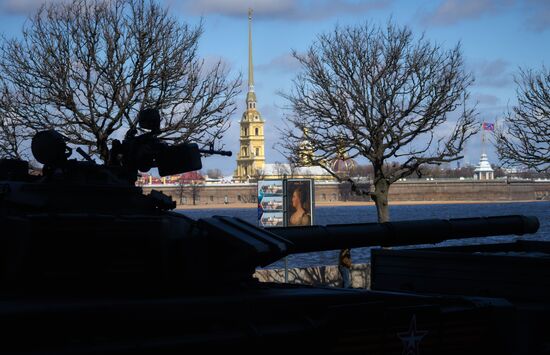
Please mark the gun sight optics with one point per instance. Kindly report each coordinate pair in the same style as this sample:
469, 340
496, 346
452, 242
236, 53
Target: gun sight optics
136, 152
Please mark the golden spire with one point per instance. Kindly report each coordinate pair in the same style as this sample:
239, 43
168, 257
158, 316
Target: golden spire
251, 157
250, 97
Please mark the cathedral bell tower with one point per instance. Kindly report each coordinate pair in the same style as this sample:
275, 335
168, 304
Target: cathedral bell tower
251, 156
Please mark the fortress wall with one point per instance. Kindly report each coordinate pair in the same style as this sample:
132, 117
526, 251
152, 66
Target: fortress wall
211, 194
446, 190
238, 193
470, 191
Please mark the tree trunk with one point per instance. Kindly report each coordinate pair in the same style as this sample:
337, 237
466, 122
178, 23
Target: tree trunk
103, 149
380, 197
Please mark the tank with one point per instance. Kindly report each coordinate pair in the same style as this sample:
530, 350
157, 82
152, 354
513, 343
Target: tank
92, 265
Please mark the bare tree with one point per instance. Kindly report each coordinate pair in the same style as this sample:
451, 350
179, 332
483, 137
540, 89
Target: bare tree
385, 95
190, 185
282, 170
436, 171
12, 132
87, 67
256, 175
10, 138
525, 138
362, 171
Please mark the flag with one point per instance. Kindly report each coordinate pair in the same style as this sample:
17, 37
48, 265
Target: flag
489, 126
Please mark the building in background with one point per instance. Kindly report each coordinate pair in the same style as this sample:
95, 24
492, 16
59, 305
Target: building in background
483, 170
251, 155
285, 170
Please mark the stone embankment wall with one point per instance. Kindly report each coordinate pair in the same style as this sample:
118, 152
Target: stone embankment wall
457, 190
412, 190
317, 276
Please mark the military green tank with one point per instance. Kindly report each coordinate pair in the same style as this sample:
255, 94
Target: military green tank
92, 265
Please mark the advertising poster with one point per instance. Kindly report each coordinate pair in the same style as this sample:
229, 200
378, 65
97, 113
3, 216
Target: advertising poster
299, 202
271, 203
283, 203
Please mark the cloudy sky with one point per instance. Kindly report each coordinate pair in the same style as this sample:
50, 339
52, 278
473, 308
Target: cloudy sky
497, 37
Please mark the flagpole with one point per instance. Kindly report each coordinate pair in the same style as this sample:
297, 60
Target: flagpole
483, 139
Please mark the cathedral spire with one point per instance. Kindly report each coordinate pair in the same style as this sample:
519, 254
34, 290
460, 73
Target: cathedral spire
251, 156
251, 96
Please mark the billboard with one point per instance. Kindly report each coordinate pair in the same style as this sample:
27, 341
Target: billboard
287, 202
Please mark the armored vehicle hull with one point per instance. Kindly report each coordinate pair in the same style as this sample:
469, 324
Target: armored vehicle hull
266, 318
518, 272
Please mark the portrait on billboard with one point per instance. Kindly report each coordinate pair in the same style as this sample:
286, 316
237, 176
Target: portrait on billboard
299, 203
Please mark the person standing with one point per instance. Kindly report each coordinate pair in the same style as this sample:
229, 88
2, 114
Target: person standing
344, 267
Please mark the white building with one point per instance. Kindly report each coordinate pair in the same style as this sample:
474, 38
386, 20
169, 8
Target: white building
280, 170
484, 171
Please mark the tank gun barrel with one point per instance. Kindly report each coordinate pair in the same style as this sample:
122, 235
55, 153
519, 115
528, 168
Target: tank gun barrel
428, 231
226, 153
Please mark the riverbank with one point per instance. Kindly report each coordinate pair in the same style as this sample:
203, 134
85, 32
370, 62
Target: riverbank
347, 203
333, 194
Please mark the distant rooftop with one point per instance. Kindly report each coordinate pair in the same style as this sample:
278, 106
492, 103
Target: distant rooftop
281, 169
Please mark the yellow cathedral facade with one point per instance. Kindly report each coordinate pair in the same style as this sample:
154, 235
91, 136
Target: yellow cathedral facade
251, 156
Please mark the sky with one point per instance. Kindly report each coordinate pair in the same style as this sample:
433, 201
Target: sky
497, 38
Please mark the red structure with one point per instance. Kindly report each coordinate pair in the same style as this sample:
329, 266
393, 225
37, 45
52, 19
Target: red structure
185, 178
